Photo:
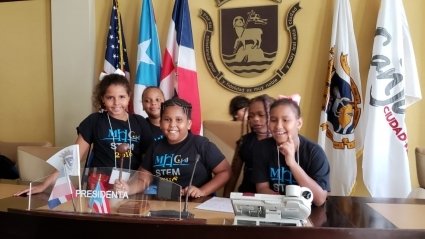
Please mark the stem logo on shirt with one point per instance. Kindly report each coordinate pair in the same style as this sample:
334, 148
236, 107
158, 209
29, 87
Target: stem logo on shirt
170, 160
280, 177
169, 165
120, 135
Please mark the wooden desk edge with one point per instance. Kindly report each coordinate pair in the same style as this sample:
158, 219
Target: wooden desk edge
38, 224
108, 217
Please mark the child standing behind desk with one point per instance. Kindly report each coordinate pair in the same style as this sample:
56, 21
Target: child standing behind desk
152, 98
289, 158
258, 119
174, 157
112, 96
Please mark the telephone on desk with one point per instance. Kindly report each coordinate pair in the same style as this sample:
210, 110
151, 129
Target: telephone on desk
291, 209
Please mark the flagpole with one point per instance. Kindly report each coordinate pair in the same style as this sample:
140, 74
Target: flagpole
120, 38
70, 187
79, 175
29, 197
144, 204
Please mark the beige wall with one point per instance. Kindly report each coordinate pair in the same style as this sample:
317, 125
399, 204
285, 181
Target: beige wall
73, 73
26, 72
306, 76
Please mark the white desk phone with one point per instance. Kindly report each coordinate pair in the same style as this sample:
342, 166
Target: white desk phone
265, 209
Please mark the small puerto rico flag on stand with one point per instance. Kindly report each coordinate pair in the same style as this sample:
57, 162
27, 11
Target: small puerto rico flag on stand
99, 203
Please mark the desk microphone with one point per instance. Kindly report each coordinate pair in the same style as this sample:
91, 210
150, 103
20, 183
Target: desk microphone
176, 214
190, 184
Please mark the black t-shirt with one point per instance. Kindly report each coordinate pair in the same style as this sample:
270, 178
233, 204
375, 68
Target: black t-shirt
175, 162
312, 159
95, 129
247, 144
156, 131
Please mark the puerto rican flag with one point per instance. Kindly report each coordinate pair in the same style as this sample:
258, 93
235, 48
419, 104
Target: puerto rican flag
99, 204
148, 56
178, 73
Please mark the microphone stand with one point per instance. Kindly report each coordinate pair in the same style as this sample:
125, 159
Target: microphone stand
185, 210
177, 214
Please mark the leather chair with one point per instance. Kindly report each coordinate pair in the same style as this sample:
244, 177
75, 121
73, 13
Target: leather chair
32, 163
10, 149
224, 135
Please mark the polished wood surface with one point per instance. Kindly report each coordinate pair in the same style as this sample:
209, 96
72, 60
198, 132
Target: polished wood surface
340, 217
33, 224
9, 188
405, 216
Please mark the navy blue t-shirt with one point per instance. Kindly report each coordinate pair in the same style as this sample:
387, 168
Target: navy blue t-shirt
245, 153
95, 130
312, 159
156, 131
175, 162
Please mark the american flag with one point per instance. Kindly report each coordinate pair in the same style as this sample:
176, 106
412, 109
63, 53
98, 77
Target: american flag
116, 51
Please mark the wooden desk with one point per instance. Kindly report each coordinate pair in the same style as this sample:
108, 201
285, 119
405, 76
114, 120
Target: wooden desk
10, 187
341, 217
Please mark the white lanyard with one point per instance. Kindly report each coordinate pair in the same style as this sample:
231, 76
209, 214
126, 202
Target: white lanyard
279, 171
115, 146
